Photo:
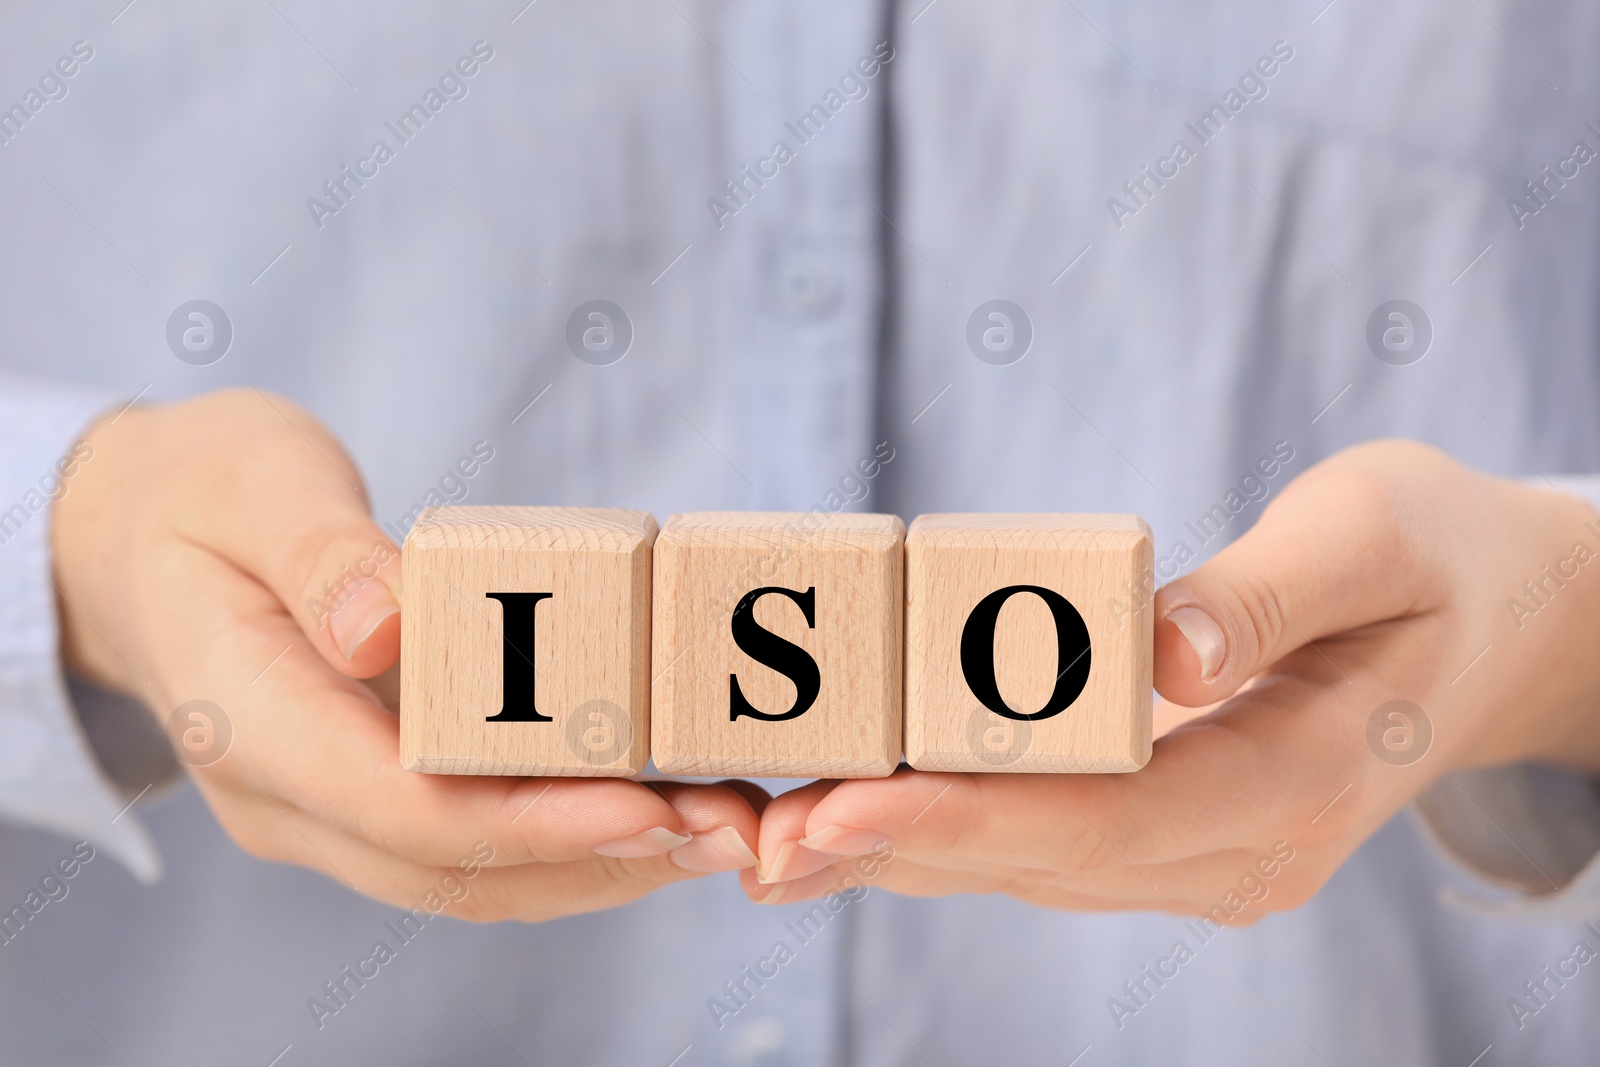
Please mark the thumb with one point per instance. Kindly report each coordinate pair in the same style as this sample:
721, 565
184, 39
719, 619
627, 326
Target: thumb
291, 511
1331, 554
349, 593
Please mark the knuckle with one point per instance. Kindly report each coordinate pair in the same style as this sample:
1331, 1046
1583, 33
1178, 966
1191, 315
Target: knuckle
335, 554
633, 878
966, 821
490, 901
1095, 853
1262, 608
260, 840
377, 831
1099, 846
1030, 889
1373, 503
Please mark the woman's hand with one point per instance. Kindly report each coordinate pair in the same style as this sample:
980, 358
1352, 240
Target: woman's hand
1387, 573
221, 550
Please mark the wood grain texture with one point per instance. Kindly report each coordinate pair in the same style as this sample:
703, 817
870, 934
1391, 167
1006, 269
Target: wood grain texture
1101, 564
705, 563
591, 640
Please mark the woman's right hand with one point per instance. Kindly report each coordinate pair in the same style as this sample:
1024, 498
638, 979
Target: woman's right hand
194, 556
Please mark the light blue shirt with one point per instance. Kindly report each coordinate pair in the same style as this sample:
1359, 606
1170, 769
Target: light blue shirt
1187, 313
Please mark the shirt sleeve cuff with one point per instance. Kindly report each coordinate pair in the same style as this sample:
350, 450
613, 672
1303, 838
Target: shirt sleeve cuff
1529, 834
49, 777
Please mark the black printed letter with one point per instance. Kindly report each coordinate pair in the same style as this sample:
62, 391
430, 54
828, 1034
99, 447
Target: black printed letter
1072, 652
766, 647
517, 612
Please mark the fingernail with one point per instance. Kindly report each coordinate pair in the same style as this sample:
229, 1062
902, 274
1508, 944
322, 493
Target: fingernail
358, 618
656, 842
1204, 636
816, 884
715, 850
793, 860
844, 841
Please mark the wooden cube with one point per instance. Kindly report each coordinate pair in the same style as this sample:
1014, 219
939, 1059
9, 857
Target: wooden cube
1028, 643
777, 644
525, 641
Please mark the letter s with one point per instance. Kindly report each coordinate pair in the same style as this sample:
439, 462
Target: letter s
768, 649
482, 50
1283, 50
83, 50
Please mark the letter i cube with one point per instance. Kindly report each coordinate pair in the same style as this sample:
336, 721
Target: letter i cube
777, 644
525, 641
1028, 643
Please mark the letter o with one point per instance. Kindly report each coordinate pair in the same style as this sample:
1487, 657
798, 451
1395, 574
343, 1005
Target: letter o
1072, 652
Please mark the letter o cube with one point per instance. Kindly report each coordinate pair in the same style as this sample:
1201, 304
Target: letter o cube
1028, 643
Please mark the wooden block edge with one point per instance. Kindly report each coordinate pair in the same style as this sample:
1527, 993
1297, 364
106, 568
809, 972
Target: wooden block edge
476, 767
965, 763
697, 767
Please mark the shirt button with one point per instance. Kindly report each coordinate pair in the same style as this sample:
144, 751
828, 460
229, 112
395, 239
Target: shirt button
805, 284
761, 1042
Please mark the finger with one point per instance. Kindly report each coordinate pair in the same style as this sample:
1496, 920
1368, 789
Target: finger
1000, 824
908, 878
290, 510
722, 826
1333, 553
471, 888
783, 824
977, 857
1287, 758
757, 797
809, 887
849, 875
1167, 716
304, 733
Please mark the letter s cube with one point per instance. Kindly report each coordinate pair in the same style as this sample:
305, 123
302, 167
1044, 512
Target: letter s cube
777, 644
1029, 643
525, 641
